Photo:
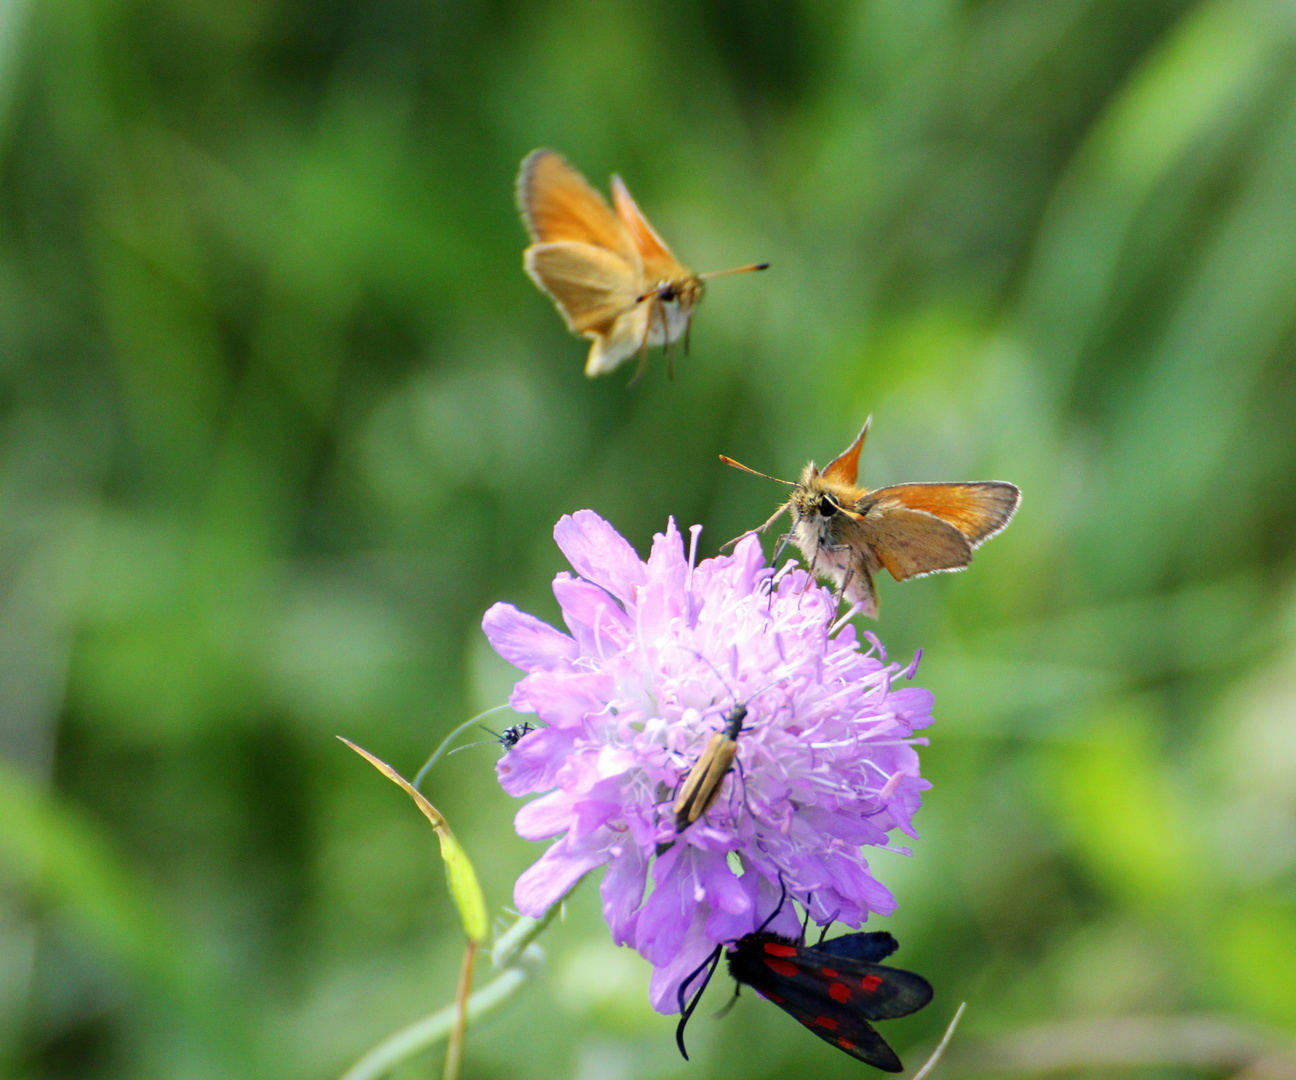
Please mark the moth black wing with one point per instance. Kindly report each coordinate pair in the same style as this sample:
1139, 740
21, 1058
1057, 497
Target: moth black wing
831, 991
872, 948
852, 1034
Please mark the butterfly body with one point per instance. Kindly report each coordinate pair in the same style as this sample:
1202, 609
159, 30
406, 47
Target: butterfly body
611, 276
834, 988
848, 533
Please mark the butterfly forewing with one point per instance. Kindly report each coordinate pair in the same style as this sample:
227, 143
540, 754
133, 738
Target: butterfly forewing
557, 203
659, 263
977, 510
831, 991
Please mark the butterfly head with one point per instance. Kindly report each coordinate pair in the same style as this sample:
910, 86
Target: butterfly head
818, 497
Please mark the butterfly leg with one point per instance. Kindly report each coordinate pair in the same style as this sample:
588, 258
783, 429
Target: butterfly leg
643, 345
772, 518
723, 1012
841, 589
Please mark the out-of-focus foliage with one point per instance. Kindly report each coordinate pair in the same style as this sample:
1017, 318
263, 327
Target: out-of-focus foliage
280, 416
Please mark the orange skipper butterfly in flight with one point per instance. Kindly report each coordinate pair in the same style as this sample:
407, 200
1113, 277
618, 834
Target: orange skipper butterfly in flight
849, 533
612, 278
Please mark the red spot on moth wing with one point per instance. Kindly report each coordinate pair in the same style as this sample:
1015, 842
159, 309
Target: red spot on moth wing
782, 967
773, 948
870, 983
828, 973
846, 1044
826, 1022
839, 992
774, 998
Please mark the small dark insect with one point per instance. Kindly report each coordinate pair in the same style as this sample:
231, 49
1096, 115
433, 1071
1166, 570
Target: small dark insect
512, 735
834, 988
508, 738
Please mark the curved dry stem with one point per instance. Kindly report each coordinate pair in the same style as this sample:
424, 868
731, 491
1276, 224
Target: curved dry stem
1203, 1041
930, 1064
418, 1036
514, 952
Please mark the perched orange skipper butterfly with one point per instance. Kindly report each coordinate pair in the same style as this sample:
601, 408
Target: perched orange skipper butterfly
834, 988
848, 533
612, 277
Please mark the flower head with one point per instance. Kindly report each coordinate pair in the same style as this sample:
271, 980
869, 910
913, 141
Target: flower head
659, 654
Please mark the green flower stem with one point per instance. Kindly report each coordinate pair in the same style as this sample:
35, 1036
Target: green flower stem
518, 936
514, 952
404, 1044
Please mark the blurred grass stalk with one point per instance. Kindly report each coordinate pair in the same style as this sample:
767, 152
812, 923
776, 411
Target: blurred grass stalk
518, 957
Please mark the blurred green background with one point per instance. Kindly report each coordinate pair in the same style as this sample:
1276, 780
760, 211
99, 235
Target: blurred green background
280, 416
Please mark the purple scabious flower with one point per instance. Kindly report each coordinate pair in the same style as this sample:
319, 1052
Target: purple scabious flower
658, 654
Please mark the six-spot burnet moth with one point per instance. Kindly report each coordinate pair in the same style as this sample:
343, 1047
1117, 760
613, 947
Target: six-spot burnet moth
834, 988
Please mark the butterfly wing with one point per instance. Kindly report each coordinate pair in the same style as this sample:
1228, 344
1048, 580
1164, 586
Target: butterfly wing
917, 529
591, 287
832, 993
844, 468
659, 262
558, 204
978, 511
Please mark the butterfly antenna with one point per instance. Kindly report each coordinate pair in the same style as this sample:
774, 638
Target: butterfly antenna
749, 268
764, 476
711, 962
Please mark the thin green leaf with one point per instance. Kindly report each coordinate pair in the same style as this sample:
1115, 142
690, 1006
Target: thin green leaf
465, 890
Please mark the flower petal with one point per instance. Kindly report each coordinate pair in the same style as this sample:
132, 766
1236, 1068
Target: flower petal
552, 876
598, 553
526, 642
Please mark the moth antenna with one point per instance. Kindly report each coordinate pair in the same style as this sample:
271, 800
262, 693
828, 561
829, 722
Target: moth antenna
723, 682
774, 914
711, 961
706, 660
749, 268
765, 476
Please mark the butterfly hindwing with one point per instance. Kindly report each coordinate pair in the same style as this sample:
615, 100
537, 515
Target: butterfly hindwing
591, 287
977, 510
831, 990
910, 543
